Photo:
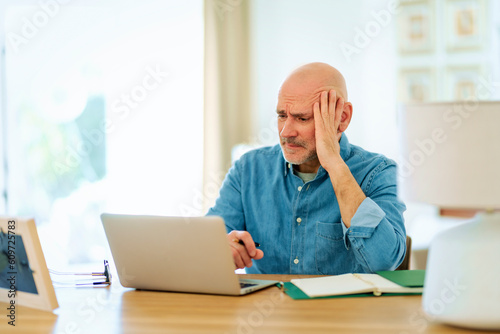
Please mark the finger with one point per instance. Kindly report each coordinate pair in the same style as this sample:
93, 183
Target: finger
317, 114
240, 255
238, 261
233, 243
332, 103
318, 123
324, 107
259, 255
338, 113
247, 240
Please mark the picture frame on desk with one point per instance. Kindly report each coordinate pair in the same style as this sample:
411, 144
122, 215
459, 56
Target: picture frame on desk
415, 27
465, 24
24, 276
416, 85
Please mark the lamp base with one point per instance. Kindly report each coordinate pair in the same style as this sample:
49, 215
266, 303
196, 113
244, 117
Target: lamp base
462, 282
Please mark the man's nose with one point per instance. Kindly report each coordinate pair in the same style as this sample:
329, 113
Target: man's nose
288, 129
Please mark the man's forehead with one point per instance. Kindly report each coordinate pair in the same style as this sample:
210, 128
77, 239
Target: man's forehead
303, 94
302, 100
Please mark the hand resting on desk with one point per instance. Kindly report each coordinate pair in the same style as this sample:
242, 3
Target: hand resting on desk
243, 254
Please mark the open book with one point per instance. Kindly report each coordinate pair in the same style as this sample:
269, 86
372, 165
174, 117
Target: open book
348, 284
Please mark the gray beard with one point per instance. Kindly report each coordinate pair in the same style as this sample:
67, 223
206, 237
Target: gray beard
312, 156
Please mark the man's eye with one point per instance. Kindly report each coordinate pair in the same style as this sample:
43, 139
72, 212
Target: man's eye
281, 116
303, 119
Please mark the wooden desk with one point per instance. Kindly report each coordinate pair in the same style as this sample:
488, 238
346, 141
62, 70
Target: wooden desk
119, 310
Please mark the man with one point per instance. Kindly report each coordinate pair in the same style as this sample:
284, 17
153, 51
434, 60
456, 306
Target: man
317, 204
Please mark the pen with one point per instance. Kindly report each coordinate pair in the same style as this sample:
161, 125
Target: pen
242, 243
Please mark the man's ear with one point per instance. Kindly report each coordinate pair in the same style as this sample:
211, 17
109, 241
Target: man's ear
345, 119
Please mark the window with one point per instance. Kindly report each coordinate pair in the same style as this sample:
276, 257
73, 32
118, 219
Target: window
103, 113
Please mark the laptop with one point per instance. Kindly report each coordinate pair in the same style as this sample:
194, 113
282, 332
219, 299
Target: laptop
181, 254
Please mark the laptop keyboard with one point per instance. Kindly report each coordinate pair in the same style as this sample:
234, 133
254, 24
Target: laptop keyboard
246, 285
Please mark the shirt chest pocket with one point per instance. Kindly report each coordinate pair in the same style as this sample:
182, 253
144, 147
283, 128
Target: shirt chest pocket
331, 256
331, 231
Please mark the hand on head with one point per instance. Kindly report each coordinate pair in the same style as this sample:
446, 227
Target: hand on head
243, 254
331, 117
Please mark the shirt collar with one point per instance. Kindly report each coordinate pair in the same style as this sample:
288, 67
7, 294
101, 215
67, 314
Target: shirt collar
345, 151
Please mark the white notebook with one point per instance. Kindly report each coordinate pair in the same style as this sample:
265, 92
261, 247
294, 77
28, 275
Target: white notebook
347, 284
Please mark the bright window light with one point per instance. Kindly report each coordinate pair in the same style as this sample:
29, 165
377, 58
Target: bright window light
104, 114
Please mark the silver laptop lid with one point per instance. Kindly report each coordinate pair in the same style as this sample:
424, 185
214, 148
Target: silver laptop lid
188, 254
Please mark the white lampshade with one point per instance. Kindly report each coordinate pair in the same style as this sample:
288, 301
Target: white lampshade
451, 158
451, 154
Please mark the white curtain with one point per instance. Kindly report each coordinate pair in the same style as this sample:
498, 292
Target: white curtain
227, 104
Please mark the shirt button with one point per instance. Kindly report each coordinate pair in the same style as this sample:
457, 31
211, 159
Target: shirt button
299, 188
289, 166
299, 220
296, 261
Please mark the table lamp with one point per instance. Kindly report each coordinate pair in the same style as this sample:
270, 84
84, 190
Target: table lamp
451, 159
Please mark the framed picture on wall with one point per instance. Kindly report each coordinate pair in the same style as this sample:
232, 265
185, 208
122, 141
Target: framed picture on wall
462, 83
415, 27
24, 277
416, 85
465, 24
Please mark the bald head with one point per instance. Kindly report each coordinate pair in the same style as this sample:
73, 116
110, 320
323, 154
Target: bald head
312, 78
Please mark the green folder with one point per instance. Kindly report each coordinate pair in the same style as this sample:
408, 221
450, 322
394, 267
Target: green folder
406, 278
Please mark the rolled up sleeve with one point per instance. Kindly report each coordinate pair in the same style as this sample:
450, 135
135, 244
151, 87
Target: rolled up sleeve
377, 233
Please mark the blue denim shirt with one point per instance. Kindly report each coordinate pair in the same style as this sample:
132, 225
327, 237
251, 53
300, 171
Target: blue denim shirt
299, 225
